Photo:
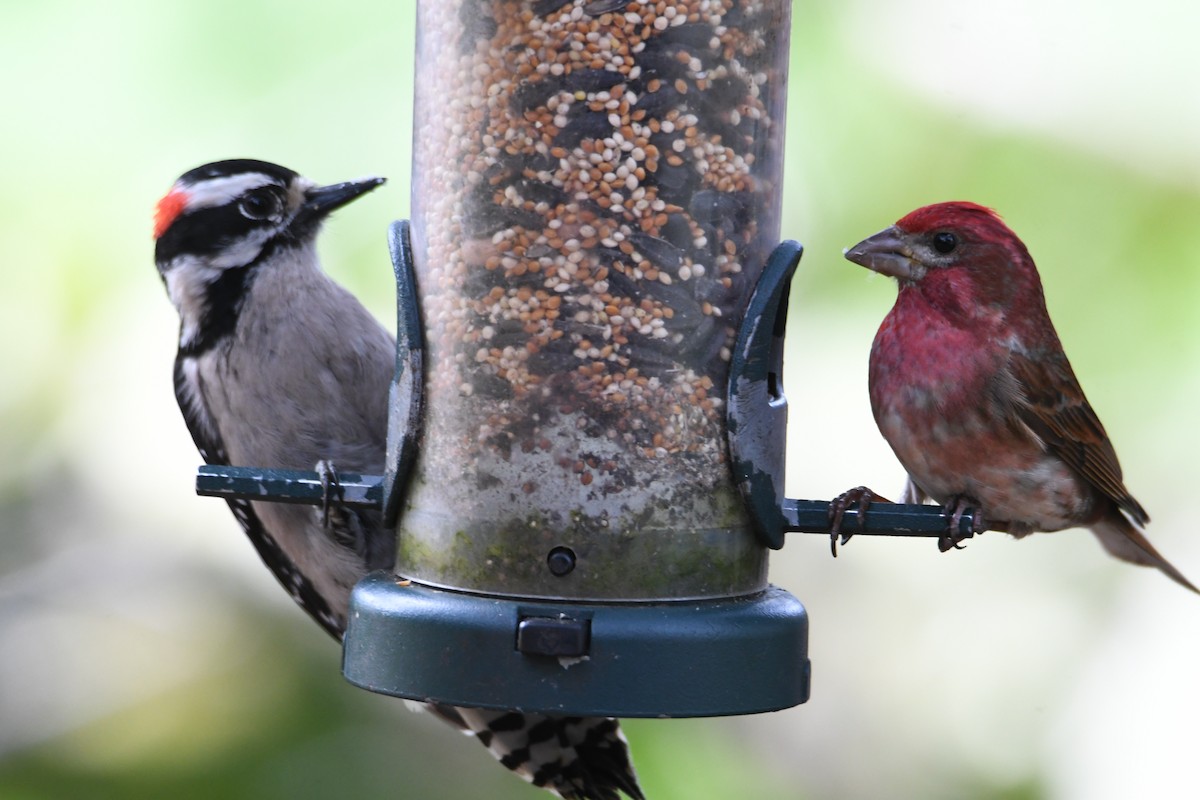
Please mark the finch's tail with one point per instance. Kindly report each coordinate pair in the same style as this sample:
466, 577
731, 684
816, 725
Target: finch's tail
1121, 539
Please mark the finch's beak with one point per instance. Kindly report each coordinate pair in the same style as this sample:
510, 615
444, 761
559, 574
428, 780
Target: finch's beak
887, 253
322, 200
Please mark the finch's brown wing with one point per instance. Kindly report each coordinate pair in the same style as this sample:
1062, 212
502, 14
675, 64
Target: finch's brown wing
1053, 405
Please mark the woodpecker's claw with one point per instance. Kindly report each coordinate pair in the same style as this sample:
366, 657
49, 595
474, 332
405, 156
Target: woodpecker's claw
956, 508
860, 496
330, 486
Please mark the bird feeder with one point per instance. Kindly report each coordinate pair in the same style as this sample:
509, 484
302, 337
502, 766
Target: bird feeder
586, 446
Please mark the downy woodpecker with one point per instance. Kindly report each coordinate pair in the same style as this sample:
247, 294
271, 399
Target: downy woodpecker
278, 366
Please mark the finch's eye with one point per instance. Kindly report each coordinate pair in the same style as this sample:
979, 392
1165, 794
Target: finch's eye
944, 242
259, 204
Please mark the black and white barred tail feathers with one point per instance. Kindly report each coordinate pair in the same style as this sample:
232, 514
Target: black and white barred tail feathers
576, 758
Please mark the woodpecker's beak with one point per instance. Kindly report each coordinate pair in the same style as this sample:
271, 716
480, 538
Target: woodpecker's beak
322, 200
888, 254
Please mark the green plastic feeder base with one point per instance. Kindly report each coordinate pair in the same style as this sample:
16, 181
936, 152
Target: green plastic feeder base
679, 659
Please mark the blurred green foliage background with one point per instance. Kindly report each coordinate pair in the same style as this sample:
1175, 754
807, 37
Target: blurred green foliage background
144, 652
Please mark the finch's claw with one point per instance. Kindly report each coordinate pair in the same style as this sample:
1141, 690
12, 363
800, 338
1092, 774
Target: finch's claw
948, 542
956, 508
860, 496
330, 486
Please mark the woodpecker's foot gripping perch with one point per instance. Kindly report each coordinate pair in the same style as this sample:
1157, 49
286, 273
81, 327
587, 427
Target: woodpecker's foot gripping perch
331, 488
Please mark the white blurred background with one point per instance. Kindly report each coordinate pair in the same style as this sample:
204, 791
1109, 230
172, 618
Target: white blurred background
144, 652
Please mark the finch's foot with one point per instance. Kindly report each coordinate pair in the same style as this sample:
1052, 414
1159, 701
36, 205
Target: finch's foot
331, 488
859, 496
957, 507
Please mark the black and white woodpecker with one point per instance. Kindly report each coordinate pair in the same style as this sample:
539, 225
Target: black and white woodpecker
278, 366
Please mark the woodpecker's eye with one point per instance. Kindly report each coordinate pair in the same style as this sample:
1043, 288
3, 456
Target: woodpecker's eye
259, 204
944, 242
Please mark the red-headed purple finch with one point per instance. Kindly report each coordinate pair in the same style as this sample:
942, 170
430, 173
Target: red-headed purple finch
971, 388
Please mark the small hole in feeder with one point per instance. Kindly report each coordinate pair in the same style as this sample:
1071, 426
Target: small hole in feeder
561, 560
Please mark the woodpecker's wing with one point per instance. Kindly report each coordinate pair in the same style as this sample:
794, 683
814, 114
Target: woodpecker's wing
189, 392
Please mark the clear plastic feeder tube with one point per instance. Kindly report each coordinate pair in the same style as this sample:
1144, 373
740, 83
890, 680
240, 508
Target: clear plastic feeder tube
596, 185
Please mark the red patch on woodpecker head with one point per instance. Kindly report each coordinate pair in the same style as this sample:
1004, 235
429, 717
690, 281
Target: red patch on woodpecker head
170, 207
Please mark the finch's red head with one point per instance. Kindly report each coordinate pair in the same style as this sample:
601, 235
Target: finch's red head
954, 214
941, 238
958, 255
